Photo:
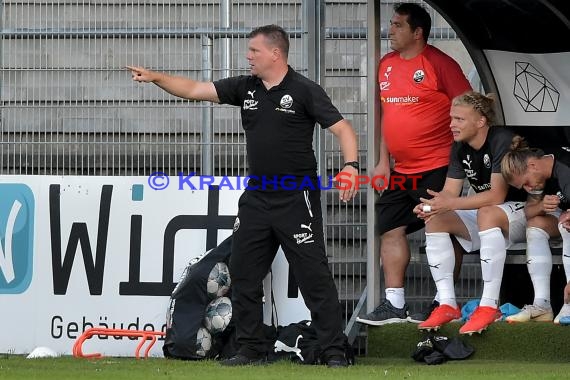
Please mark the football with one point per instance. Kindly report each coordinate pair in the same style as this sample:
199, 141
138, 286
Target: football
218, 281
203, 342
218, 315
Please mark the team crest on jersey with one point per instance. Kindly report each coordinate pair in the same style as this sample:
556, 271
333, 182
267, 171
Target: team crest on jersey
419, 76
286, 101
486, 161
285, 104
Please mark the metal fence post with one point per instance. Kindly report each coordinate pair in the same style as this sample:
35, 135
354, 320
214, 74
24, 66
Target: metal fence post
207, 115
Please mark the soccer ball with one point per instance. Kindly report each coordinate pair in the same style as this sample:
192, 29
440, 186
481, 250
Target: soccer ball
218, 315
219, 281
203, 342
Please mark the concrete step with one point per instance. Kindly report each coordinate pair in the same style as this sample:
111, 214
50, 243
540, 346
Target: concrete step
111, 159
108, 117
348, 267
114, 14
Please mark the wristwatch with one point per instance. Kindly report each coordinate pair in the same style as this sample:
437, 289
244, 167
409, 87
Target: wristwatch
354, 164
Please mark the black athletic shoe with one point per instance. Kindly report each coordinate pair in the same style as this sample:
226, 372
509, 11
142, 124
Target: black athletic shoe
337, 361
385, 314
424, 314
240, 359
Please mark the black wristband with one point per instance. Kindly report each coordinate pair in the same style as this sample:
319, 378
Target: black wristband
354, 164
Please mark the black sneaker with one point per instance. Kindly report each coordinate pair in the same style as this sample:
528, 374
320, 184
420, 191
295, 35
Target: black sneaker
424, 314
337, 361
240, 359
385, 314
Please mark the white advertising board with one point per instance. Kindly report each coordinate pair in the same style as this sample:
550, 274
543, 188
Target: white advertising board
80, 252
534, 88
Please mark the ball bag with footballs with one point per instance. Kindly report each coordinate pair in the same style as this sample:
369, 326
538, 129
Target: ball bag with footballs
200, 308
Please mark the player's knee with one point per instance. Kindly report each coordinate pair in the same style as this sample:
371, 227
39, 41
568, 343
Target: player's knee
491, 216
544, 222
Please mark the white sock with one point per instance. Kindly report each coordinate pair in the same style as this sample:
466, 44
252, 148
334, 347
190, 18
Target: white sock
441, 260
437, 298
565, 250
396, 297
539, 264
493, 254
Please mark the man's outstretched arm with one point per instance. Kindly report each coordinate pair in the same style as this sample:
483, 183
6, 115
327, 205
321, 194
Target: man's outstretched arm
176, 85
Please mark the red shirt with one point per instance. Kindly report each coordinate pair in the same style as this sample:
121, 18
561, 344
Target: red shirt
416, 98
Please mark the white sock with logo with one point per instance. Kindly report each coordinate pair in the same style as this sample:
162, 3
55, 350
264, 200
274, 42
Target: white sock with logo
565, 250
396, 297
493, 253
441, 260
539, 264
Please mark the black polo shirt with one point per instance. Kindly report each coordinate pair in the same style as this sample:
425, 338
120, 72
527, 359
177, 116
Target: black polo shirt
279, 122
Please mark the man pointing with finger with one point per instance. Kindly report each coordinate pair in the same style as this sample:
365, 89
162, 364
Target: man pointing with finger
279, 109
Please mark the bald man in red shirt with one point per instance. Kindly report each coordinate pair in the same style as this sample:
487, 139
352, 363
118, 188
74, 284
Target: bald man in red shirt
417, 82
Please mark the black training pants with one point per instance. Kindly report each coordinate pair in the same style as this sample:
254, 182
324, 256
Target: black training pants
293, 220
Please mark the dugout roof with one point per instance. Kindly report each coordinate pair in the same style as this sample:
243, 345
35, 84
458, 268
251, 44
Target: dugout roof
525, 26
521, 49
